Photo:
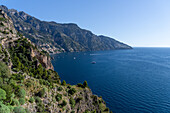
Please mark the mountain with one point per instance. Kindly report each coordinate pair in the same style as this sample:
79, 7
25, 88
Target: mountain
54, 37
28, 83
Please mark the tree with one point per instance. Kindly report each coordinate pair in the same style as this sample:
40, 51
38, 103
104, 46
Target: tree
85, 84
16, 62
58, 97
63, 83
4, 108
19, 110
4, 71
2, 94
22, 93
22, 101
31, 100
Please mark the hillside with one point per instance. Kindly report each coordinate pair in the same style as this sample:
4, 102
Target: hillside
54, 37
28, 83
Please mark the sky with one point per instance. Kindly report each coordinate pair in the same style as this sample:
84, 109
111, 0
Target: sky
139, 23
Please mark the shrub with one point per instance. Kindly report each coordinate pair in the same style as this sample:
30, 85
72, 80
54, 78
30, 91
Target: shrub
72, 91
41, 93
2, 94
22, 93
107, 109
80, 85
4, 71
38, 100
64, 103
85, 84
60, 89
69, 87
22, 101
32, 100
15, 102
58, 97
72, 102
78, 99
4, 108
63, 83
8, 90
2, 19
19, 110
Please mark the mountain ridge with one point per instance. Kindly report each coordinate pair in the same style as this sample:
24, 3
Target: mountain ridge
55, 37
28, 83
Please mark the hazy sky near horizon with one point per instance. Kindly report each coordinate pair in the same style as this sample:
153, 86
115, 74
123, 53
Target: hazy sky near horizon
140, 23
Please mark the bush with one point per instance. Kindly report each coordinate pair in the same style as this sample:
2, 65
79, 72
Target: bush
32, 100
85, 84
22, 101
4, 71
72, 91
107, 109
80, 85
19, 110
15, 102
38, 100
78, 99
41, 93
4, 108
60, 89
72, 102
58, 97
64, 103
22, 93
2, 94
63, 83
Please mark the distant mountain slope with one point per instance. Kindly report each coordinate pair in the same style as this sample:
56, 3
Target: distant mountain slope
54, 37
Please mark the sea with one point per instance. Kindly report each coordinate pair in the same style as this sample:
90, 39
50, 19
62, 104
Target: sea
130, 81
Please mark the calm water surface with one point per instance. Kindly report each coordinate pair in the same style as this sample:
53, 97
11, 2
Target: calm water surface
130, 81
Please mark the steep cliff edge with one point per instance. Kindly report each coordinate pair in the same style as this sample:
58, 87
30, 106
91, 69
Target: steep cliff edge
54, 37
29, 85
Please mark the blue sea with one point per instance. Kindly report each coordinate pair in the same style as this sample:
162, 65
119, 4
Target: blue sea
130, 81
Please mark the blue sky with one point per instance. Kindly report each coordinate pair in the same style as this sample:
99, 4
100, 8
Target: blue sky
140, 23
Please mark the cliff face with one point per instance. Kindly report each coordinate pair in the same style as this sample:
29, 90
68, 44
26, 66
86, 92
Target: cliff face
54, 37
43, 59
9, 35
32, 85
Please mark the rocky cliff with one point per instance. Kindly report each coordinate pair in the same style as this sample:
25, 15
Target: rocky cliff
54, 37
29, 85
9, 35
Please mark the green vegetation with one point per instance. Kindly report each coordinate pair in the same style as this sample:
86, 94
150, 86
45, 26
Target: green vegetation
22, 101
22, 93
58, 97
4, 72
72, 102
32, 100
85, 84
19, 110
63, 83
72, 91
4, 108
41, 93
64, 103
27, 83
2, 94
2, 19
